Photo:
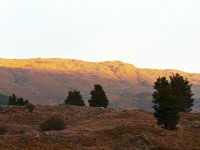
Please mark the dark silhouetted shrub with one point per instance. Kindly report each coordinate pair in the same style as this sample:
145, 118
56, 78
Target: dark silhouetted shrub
13, 100
3, 130
53, 123
30, 107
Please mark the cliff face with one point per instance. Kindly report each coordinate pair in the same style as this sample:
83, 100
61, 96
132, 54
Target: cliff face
47, 81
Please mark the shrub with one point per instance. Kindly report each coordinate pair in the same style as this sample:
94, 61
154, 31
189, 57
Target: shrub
53, 123
30, 107
13, 100
3, 130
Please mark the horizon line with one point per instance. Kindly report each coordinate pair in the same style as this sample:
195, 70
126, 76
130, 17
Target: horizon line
63, 58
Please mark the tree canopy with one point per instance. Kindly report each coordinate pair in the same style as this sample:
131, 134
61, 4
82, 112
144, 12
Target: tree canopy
182, 90
74, 98
170, 98
98, 97
13, 100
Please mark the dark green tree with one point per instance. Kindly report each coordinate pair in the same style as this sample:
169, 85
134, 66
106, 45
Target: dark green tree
21, 102
74, 98
98, 97
170, 98
12, 100
182, 90
166, 105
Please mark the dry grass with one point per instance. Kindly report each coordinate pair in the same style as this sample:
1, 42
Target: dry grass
95, 128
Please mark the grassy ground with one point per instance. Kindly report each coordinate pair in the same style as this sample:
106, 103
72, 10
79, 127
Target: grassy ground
93, 128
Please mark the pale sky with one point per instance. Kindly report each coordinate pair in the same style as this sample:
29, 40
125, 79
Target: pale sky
162, 34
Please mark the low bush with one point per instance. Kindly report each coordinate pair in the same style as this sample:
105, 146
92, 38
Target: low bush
3, 130
53, 123
30, 107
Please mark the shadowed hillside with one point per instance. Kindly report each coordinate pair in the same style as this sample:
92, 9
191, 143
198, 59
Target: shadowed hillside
3, 99
47, 81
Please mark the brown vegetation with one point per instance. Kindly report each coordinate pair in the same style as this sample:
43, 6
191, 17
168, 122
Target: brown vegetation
30, 107
3, 130
94, 128
53, 123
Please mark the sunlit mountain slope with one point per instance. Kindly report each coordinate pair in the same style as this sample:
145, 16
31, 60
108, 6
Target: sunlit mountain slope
47, 81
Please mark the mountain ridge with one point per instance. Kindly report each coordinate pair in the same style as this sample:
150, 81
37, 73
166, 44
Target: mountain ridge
47, 81
43, 60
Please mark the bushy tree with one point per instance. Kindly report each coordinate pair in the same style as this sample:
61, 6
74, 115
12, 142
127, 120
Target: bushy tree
74, 98
13, 100
166, 105
182, 90
98, 97
21, 101
170, 98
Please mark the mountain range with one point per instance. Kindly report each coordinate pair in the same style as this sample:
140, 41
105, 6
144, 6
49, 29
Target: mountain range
47, 81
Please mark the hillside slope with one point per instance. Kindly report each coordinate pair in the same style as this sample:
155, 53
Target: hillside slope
47, 81
94, 128
3, 99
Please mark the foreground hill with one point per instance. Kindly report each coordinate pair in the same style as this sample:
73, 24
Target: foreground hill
94, 128
47, 81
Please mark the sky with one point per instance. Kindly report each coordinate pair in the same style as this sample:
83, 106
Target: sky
147, 33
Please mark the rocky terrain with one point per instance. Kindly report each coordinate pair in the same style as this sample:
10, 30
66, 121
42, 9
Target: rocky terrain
94, 128
47, 81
